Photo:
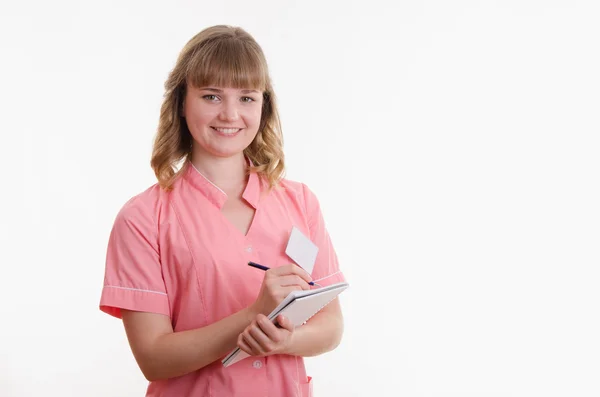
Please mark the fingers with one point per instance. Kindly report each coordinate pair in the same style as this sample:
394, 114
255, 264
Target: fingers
263, 338
263, 342
291, 269
278, 283
293, 280
244, 346
277, 293
253, 341
269, 329
285, 291
285, 323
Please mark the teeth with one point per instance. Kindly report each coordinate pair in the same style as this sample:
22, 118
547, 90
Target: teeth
227, 130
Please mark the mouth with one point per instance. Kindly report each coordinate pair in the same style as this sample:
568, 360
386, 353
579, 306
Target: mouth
227, 131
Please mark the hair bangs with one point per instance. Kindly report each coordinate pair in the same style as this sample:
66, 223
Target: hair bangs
228, 63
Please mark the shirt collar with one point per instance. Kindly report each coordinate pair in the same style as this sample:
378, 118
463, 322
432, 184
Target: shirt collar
217, 196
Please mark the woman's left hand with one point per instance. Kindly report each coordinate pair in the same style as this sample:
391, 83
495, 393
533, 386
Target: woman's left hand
263, 338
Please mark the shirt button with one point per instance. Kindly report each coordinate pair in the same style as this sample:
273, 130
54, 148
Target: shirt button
249, 248
257, 364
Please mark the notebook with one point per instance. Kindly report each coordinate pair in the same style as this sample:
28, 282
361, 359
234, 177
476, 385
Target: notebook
298, 307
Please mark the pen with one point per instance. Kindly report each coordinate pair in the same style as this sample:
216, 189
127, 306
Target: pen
261, 267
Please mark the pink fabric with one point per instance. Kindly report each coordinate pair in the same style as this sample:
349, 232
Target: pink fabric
176, 254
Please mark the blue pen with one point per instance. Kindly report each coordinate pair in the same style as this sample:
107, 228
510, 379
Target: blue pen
261, 267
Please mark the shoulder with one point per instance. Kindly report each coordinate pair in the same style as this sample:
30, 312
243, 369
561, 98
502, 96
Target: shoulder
144, 208
301, 192
290, 186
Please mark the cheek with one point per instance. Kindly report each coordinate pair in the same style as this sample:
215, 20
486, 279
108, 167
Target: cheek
199, 119
253, 118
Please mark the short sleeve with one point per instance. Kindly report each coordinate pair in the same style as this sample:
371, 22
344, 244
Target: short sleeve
326, 270
133, 275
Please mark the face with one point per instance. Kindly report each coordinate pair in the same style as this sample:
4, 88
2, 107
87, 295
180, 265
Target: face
222, 121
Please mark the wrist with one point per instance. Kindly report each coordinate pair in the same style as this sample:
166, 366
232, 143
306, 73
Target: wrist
251, 312
287, 347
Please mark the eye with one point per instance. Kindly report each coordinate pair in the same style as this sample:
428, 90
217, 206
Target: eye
210, 97
247, 99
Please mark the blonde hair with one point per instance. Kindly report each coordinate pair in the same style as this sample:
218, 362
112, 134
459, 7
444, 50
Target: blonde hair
223, 56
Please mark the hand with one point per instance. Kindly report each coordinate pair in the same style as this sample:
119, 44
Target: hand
263, 338
277, 284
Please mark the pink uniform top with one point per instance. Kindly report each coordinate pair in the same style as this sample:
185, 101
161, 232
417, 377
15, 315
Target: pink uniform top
176, 254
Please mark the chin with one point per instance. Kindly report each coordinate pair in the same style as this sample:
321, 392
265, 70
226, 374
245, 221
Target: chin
225, 153
222, 149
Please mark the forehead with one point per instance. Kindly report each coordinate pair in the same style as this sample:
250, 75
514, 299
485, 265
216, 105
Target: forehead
227, 90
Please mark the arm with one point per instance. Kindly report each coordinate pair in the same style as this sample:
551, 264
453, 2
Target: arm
162, 353
322, 333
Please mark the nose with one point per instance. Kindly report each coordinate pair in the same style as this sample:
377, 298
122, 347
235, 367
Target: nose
229, 112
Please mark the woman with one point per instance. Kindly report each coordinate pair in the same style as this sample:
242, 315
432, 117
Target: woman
176, 268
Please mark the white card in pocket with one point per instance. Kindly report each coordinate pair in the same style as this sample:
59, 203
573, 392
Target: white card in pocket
302, 250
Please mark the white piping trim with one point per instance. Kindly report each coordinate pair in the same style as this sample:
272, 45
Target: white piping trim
208, 180
135, 289
331, 275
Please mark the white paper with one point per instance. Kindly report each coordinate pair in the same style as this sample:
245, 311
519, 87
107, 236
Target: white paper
302, 250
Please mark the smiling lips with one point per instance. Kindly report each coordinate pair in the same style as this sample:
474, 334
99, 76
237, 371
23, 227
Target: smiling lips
226, 131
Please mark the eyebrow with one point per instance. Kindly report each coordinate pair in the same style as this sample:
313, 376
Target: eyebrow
219, 91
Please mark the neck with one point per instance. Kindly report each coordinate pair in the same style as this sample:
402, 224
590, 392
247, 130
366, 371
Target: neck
228, 173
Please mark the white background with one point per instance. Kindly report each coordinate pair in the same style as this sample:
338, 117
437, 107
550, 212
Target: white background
453, 146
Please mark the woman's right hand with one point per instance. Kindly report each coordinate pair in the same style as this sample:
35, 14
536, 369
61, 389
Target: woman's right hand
277, 284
